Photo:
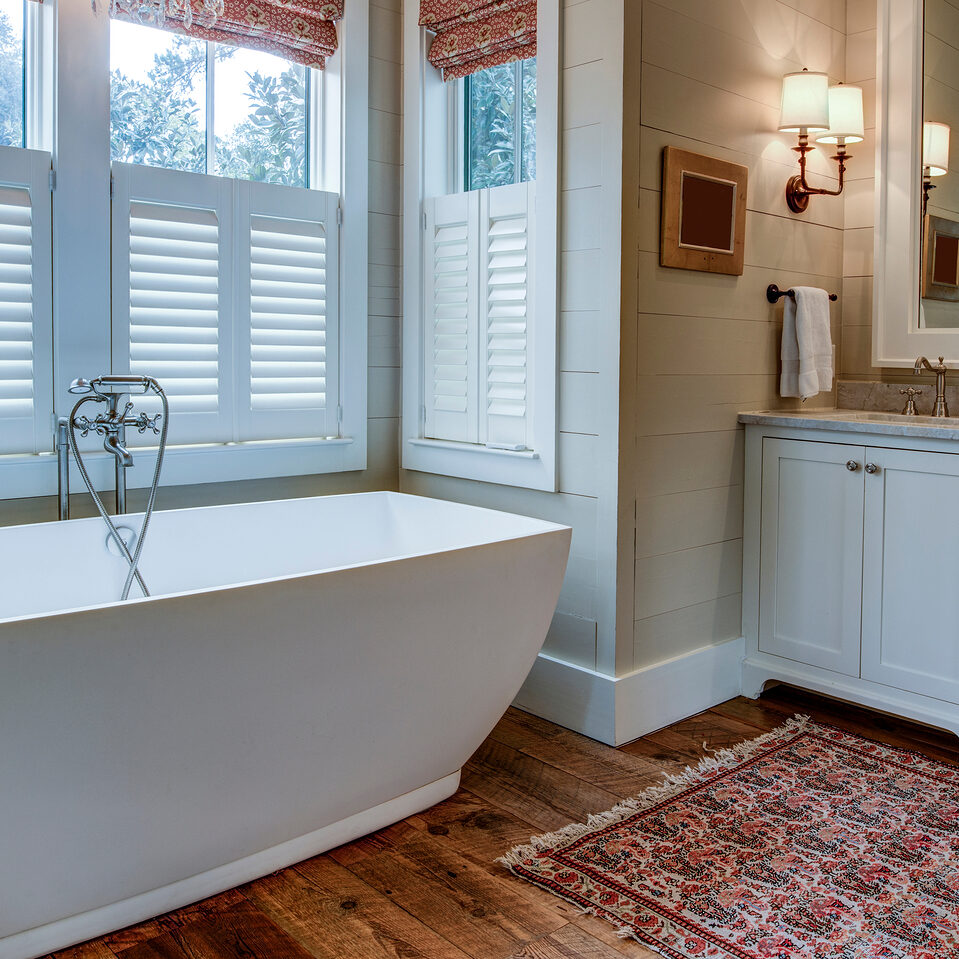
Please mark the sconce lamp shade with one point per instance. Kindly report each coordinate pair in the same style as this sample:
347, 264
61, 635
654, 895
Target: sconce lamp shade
845, 116
935, 148
805, 103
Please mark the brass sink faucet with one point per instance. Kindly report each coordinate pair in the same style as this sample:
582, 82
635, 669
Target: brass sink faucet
940, 408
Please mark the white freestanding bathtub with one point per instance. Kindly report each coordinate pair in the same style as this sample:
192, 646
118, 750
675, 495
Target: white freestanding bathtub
305, 672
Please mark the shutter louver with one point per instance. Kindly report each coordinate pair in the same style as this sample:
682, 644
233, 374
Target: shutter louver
288, 308
174, 303
26, 361
287, 242
507, 308
451, 317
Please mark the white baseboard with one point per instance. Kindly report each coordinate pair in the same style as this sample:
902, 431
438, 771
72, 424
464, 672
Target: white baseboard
663, 693
57, 935
618, 709
572, 696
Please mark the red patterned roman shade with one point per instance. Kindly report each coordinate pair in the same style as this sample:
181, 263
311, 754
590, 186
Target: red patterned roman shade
473, 35
303, 31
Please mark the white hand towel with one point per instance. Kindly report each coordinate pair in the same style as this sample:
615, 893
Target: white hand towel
807, 344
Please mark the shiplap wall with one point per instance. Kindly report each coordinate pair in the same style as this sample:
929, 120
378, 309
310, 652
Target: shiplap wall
709, 80
860, 199
583, 630
384, 313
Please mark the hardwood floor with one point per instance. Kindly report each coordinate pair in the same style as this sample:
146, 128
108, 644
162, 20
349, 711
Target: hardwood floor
428, 887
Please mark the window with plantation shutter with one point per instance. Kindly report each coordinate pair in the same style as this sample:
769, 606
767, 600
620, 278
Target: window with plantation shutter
26, 359
287, 345
478, 295
226, 292
172, 271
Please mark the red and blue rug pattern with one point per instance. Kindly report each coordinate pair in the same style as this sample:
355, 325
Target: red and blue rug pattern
808, 843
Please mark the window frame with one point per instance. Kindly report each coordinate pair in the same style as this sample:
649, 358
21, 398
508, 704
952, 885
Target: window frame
70, 81
433, 134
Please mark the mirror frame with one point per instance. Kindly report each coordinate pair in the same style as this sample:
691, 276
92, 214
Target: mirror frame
896, 337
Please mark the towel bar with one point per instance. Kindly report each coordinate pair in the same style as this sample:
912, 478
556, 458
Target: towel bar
774, 294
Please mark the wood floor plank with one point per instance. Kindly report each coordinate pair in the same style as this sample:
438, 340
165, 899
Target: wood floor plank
242, 930
95, 949
473, 827
755, 712
120, 941
704, 733
480, 913
600, 765
571, 942
605, 932
333, 914
543, 795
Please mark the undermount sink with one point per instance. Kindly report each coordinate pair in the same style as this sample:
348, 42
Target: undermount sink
876, 416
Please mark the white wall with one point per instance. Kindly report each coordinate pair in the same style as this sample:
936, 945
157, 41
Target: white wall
583, 631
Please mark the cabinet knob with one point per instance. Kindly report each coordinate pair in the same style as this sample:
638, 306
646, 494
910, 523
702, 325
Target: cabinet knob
852, 466
872, 468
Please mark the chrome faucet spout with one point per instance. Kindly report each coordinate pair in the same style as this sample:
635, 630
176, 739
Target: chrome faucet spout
111, 443
940, 407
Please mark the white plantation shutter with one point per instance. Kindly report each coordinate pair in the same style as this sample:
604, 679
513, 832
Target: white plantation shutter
478, 294
26, 324
506, 309
172, 277
287, 337
451, 320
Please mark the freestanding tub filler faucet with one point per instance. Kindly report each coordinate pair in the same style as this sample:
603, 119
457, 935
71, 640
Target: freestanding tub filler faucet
940, 407
111, 423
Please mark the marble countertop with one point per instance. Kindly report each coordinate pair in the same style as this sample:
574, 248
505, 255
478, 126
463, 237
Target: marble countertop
859, 421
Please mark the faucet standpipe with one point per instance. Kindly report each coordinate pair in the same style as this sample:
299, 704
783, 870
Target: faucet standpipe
940, 407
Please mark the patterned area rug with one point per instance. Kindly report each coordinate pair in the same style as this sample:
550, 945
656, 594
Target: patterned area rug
807, 843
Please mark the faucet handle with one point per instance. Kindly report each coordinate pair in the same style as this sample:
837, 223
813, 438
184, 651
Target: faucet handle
910, 408
144, 423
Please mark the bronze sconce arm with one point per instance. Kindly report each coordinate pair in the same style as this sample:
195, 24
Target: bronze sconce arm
798, 191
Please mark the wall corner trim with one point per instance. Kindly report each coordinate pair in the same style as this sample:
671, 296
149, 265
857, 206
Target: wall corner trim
618, 709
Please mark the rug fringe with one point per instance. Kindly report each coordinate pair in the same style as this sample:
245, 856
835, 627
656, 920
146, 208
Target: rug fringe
671, 786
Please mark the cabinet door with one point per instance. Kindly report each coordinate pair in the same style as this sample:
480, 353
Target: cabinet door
810, 577
910, 602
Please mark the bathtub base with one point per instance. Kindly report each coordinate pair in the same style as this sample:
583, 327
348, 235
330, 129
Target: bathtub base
67, 932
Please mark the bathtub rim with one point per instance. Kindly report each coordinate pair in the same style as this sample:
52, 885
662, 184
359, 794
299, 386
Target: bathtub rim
548, 528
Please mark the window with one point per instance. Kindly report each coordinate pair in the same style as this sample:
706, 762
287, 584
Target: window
219, 249
480, 300
205, 107
225, 290
500, 126
12, 59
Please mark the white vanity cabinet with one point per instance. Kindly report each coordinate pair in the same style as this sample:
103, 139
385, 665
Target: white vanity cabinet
810, 567
851, 566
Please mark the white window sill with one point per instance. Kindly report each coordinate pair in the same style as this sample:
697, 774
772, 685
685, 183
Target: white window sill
523, 468
36, 475
474, 448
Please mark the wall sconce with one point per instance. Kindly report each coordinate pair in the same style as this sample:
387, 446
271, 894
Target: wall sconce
935, 156
810, 105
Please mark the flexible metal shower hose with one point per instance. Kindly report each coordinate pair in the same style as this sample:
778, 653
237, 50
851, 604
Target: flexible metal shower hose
134, 559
